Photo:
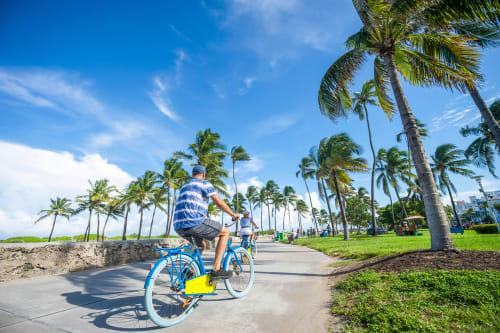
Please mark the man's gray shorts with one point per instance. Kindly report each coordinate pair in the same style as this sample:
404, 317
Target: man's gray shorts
207, 230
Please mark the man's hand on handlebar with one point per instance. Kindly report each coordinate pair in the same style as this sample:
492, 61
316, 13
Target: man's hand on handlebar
235, 217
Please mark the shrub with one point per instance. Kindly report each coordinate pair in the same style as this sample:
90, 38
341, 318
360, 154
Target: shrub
485, 229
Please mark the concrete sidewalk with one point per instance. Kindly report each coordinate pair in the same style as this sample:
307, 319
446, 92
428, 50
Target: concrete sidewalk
290, 294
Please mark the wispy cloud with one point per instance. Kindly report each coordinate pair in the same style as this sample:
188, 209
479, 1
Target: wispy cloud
58, 90
275, 124
162, 84
178, 33
248, 82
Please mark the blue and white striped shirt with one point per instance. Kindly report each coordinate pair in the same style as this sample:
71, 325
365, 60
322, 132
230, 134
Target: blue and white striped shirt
192, 203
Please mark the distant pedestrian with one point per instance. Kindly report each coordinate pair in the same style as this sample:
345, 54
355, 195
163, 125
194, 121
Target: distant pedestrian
328, 230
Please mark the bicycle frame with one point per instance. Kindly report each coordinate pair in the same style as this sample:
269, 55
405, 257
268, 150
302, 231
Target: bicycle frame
176, 272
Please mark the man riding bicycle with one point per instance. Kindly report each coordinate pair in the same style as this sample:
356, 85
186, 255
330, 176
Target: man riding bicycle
190, 217
246, 226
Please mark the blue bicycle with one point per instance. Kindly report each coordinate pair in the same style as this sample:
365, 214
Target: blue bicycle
251, 247
178, 280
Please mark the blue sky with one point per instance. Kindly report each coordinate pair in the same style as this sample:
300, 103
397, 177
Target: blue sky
111, 89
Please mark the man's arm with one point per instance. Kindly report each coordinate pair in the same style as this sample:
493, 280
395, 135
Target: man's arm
223, 206
255, 225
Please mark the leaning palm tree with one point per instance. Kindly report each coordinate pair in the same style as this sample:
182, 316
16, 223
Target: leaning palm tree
337, 156
448, 158
306, 171
144, 190
100, 193
288, 197
207, 150
158, 199
238, 154
302, 211
58, 207
368, 95
383, 179
392, 33
482, 150
114, 209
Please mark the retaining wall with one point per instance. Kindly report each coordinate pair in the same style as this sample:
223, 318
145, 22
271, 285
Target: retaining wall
25, 260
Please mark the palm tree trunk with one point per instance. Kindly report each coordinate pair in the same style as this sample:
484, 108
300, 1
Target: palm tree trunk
438, 223
289, 219
404, 204
453, 204
104, 227
98, 221
328, 200
168, 211
152, 219
237, 203
403, 208
275, 215
269, 216
88, 226
53, 225
374, 217
486, 114
171, 218
392, 210
342, 210
310, 200
284, 215
261, 227
140, 224
124, 236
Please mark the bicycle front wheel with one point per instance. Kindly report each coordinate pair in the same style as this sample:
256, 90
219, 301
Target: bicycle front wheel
239, 262
164, 298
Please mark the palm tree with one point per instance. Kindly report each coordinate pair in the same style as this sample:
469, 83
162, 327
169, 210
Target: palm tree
337, 156
252, 196
144, 189
113, 209
180, 178
85, 203
306, 171
391, 32
367, 96
158, 198
100, 193
448, 158
239, 201
302, 210
207, 150
384, 178
238, 153
269, 191
59, 206
170, 168
288, 197
395, 161
278, 202
482, 150
127, 198
320, 174
261, 200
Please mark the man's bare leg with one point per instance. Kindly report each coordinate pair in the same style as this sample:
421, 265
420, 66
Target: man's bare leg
221, 247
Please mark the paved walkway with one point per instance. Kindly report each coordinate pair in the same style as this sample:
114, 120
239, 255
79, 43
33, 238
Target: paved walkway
290, 294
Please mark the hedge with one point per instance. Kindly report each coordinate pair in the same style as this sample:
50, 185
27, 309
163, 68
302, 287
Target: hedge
485, 229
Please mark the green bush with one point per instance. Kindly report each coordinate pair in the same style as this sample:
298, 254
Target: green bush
485, 229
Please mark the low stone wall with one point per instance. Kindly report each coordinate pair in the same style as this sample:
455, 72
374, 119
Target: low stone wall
36, 259
25, 260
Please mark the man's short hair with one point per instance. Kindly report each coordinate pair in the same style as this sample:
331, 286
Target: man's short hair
198, 170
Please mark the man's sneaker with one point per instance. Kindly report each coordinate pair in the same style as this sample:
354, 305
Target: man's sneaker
220, 275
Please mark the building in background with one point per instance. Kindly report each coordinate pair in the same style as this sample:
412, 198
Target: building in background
476, 211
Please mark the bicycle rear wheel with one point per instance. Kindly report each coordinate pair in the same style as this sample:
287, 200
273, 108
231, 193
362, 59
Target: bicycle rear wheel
253, 246
241, 264
164, 299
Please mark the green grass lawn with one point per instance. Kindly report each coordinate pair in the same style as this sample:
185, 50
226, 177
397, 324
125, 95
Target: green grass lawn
436, 301
363, 246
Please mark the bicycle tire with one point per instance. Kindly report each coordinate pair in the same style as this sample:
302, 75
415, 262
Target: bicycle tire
152, 295
243, 272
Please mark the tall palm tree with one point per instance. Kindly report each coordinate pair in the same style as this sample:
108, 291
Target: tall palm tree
114, 209
127, 198
58, 207
158, 199
337, 155
207, 150
269, 191
395, 163
391, 32
238, 154
252, 197
306, 171
144, 189
278, 202
262, 201
288, 197
368, 95
302, 210
384, 178
448, 158
180, 178
170, 168
482, 150
239, 202
100, 193
85, 203
320, 174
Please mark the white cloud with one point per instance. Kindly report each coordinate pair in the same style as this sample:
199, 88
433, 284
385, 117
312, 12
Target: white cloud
29, 177
163, 83
57, 90
121, 131
275, 124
